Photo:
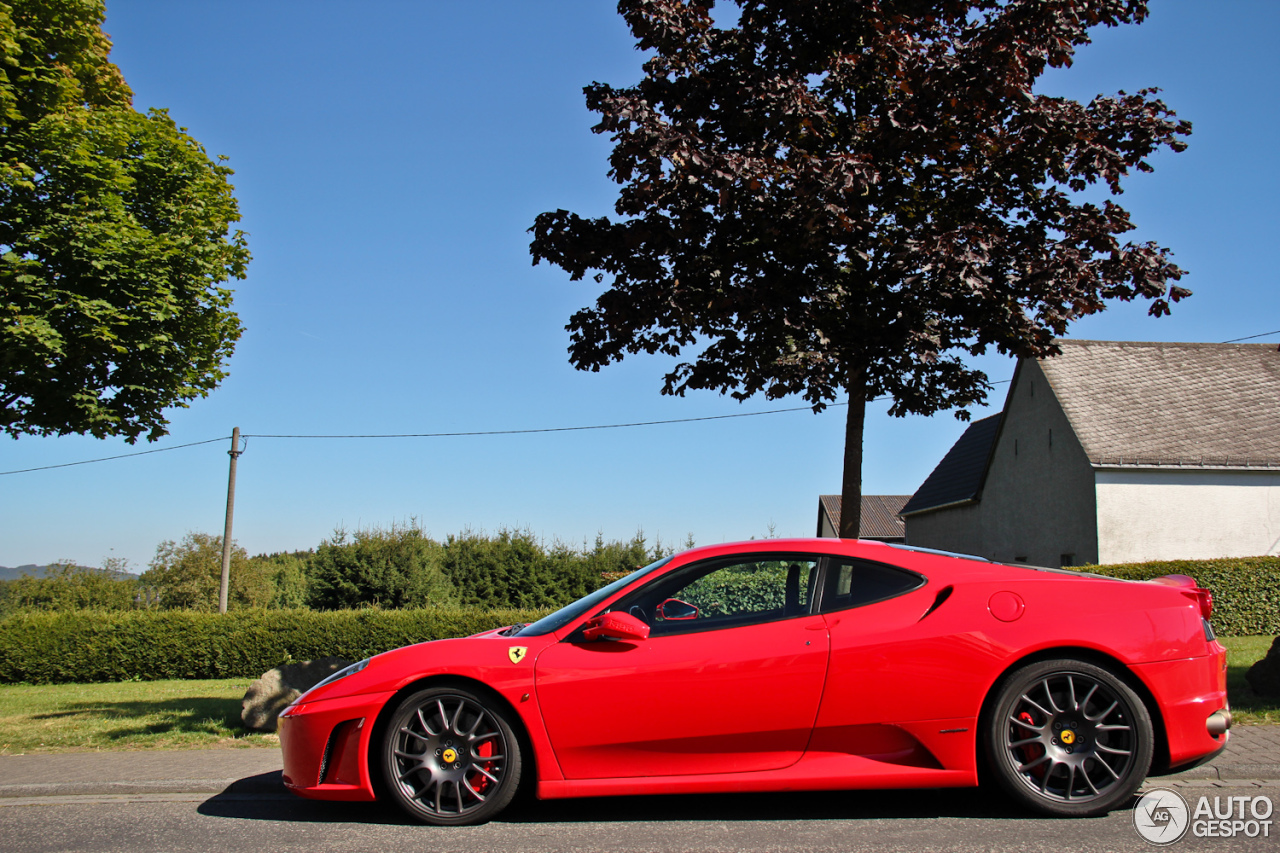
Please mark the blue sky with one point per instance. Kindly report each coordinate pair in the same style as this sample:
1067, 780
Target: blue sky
389, 158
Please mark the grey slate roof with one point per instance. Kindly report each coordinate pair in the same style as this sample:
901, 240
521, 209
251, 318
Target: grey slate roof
1170, 404
879, 519
958, 477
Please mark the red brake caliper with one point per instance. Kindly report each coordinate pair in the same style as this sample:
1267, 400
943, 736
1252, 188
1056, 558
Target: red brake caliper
1031, 751
479, 781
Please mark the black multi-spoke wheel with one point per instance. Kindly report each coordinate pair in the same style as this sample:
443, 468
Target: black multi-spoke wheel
451, 757
1069, 738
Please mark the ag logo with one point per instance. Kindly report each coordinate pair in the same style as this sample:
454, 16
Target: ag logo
1161, 816
517, 653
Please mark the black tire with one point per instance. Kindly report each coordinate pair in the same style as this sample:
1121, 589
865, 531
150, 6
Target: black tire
1068, 738
451, 757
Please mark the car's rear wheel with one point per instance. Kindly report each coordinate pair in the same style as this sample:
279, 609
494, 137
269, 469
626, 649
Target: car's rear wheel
451, 757
1069, 738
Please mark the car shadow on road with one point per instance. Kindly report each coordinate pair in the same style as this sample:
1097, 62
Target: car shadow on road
254, 798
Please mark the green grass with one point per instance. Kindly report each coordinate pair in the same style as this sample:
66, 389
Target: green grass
1248, 708
127, 715
206, 714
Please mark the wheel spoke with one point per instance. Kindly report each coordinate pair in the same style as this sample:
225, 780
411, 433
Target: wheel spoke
1112, 750
1017, 743
411, 733
1026, 725
1106, 766
457, 715
486, 774
1044, 780
1023, 768
1034, 704
425, 726
1049, 695
457, 792
1071, 778
479, 796
1071, 691
1092, 787
444, 716
479, 719
1104, 714
1113, 729
1084, 703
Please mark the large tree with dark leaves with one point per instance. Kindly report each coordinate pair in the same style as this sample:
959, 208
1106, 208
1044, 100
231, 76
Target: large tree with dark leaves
115, 239
846, 197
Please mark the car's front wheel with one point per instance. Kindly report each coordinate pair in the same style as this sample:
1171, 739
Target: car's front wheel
450, 757
1069, 738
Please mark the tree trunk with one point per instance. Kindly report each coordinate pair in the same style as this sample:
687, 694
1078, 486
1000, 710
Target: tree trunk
851, 489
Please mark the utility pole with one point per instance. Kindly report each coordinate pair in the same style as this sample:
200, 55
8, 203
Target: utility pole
234, 453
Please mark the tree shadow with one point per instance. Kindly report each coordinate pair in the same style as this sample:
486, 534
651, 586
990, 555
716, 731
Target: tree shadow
1240, 694
195, 715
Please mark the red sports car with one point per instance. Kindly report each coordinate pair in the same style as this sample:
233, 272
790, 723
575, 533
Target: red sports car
804, 664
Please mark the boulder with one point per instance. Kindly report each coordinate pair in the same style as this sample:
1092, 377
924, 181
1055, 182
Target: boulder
1264, 676
272, 693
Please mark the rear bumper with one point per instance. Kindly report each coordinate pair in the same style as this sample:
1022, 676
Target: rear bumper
1190, 695
325, 746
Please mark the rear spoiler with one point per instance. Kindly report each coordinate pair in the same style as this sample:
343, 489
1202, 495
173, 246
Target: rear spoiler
1188, 585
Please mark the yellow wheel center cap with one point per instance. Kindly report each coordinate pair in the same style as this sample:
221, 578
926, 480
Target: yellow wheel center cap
449, 756
1068, 736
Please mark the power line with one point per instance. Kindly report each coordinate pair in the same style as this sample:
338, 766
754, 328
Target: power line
109, 458
1251, 337
550, 429
247, 436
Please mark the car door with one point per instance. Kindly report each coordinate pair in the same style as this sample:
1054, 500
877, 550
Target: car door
899, 671
729, 679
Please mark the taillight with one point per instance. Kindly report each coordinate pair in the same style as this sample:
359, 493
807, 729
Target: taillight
1206, 602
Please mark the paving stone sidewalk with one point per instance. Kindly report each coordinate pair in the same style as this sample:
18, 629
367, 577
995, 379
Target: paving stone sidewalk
1253, 754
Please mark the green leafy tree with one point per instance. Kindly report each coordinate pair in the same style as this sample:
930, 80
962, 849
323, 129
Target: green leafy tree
399, 567
115, 239
289, 575
510, 569
67, 586
186, 575
845, 198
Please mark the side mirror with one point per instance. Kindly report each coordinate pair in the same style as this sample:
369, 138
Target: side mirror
675, 610
615, 626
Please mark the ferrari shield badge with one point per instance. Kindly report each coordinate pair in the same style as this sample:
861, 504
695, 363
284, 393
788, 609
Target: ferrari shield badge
517, 653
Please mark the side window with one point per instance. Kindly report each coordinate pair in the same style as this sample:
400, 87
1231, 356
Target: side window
725, 594
853, 583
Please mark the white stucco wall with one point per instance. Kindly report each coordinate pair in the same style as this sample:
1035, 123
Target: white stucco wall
1159, 514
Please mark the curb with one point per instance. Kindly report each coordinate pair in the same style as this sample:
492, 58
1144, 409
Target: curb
262, 785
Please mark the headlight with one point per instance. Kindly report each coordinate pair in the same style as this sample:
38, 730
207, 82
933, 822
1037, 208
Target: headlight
342, 673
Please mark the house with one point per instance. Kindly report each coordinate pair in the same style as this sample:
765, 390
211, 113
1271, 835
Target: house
879, 519
1116, 452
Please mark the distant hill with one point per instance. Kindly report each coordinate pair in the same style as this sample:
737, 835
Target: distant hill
8, 574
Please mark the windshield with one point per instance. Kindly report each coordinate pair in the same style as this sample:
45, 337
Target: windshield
566, 614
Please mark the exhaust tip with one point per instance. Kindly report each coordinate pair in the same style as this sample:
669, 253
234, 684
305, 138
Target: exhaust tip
1219, 722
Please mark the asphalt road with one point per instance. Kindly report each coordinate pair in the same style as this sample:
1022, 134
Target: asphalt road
848, 822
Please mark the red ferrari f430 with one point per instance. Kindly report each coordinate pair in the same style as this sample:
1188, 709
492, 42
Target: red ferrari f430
814, 664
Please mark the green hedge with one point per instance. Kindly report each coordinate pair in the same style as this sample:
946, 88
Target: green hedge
87, 646
1246, 590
